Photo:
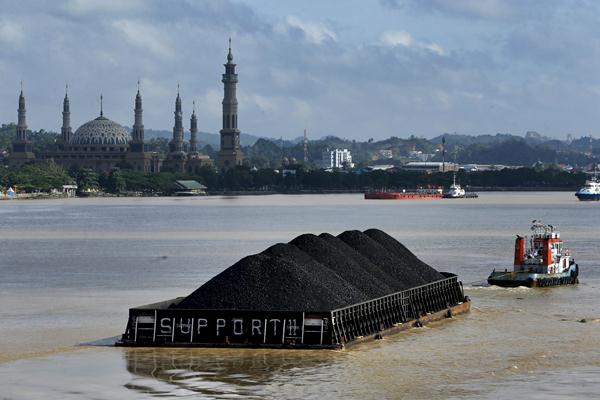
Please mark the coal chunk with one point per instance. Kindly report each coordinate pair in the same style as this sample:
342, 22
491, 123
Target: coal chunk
404, 256
336, 280
315, 273
353, 265
267, 283
400, 277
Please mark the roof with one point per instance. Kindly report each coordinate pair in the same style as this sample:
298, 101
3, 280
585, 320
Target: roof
100, 131
189, 185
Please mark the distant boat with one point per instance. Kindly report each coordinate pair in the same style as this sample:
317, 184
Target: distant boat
455, 191
404, 194
591, 190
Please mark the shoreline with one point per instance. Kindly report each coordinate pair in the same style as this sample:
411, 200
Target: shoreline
39, 196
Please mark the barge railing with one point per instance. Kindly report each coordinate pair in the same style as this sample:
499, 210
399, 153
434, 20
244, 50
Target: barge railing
373, 316
162, 324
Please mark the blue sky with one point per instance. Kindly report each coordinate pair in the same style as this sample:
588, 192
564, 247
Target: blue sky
356, 69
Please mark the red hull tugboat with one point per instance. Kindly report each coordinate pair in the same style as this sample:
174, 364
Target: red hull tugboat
540, 260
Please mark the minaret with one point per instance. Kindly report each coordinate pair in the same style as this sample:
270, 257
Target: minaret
22, 151
193, 130
66, 114
230, 154
137, 142
22, 122
176, 144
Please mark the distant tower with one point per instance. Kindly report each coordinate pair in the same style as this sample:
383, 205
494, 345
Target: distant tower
305, 147
230, 154
569, 138
22, 121
443, 153
21, 148
193, 130
137, 142
66, 130
176, 144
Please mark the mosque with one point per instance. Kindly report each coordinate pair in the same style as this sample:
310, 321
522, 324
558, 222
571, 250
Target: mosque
102, 144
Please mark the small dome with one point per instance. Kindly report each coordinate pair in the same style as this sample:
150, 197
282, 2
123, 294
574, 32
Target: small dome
100, 131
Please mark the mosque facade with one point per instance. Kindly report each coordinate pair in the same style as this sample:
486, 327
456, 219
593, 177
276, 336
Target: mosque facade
102, 144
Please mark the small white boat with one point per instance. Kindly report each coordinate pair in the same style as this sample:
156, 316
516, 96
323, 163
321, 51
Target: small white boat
591, 190
455, 191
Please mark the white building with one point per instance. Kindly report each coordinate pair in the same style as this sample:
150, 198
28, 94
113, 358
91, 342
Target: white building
337, 158
431, 166
386, 154
419, 155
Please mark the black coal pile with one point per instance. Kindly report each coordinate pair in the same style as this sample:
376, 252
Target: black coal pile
315, 273
329, 250
405, 256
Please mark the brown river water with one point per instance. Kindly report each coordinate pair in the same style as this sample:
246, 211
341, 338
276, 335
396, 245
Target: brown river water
70, 269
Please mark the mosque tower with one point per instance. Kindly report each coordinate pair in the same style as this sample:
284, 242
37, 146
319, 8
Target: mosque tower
230, 154
21, 149
176, 159
176, 144
137, 140
193, 130
22, 120
66, 130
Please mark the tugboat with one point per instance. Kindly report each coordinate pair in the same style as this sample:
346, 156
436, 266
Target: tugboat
455, 191
591, 190
540, 260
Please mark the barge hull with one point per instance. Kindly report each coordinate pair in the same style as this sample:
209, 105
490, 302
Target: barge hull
401, 196
162, 325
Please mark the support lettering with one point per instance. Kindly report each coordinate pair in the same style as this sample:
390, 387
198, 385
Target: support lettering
238, 326
256, 327
220, 324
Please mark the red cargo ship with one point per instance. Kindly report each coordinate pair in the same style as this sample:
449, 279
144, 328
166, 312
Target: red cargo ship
405, 195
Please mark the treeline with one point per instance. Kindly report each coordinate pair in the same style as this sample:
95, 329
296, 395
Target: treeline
44, 176
504, 149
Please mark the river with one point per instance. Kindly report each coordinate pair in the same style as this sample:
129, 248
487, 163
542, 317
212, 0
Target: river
71, 268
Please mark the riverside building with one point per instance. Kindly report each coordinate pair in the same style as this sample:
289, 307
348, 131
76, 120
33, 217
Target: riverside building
337, 158
102, 144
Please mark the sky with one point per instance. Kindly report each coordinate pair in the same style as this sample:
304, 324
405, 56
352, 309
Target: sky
357, 69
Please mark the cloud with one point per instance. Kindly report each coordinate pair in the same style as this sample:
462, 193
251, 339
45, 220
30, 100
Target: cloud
265, 104
404, 39
145, 36
11, 33
452, 67
492, 9
91, 7
485, 9
314, 32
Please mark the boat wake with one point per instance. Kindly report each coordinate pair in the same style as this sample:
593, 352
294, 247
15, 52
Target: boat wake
109, 341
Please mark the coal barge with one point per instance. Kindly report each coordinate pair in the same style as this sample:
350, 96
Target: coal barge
313, 292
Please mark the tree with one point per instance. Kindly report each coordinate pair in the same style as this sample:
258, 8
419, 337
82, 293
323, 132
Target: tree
87, 180
115, 182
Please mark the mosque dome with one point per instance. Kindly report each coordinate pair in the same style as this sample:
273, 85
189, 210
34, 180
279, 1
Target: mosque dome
100, 131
